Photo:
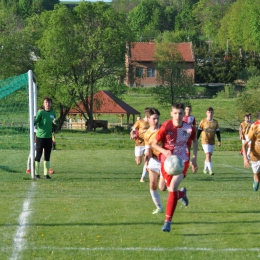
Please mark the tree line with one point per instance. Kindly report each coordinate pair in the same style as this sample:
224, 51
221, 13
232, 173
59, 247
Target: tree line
77, 51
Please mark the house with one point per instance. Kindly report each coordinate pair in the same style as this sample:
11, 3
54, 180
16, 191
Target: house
104, 103
140, 65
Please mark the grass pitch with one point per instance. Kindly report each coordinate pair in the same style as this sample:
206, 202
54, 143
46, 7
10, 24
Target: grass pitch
94, 207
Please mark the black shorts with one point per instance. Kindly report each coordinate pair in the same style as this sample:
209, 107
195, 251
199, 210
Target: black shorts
43, 144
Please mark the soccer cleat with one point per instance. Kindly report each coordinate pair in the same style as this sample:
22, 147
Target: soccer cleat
167, 226
184, 200
255, 185
211, 173
156, 211
51, 171
142, 180
28, 171
37, 177
205, 171
47, 177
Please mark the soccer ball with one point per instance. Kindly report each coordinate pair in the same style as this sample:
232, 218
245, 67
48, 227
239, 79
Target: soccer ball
173, 165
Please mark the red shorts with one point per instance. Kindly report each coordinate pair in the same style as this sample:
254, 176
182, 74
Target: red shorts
168, 178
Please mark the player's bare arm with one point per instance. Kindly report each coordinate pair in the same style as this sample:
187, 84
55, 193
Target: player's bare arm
132, 134
165, 152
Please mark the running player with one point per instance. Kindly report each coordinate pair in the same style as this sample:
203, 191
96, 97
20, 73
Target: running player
153, 164
174, 134
208, 127
137, 133
254, 138
243, 131
188, 118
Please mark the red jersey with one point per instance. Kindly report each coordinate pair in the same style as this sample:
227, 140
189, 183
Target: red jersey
175, 139
190, 120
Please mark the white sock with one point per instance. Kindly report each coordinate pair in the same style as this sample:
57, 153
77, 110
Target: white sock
205, 166
209, 164
144, 173
156, 199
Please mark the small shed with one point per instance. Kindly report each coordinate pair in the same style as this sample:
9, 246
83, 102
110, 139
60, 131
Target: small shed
106, 103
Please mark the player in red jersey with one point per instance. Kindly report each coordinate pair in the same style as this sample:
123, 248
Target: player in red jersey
174, 135
188, 118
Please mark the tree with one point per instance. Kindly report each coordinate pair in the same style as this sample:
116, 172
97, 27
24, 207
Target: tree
248, 102
16, 45
240, 26
176, 83
209, 14
79, 47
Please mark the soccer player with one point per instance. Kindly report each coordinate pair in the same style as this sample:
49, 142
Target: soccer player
208, 127
188, 118
44, 120
137, 133
254, 137
174, 135
153, 164
243, 131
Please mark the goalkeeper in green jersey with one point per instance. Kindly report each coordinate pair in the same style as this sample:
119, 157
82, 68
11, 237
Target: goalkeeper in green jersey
44, 121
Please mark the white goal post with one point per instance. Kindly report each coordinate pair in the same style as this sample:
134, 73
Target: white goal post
32, 113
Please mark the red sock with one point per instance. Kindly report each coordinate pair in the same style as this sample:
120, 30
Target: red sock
171, 204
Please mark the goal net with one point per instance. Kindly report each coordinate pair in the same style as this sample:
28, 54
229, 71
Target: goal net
17, 108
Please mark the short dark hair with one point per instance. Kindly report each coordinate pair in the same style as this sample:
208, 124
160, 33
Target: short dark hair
210, 109
146, 111
153, 111
48, 99
189, 106
178, 105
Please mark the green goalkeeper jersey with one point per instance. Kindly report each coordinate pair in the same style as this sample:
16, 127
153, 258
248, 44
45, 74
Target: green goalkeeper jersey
44, 122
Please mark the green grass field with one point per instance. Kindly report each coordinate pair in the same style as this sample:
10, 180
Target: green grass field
94, 207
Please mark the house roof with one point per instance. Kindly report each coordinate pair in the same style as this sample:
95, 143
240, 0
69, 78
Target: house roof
144, 51
106, 103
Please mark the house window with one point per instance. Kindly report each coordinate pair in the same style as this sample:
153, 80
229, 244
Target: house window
150, 72
139, 72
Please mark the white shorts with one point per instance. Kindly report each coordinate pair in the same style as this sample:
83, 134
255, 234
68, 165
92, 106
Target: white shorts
154, 165
208, 148
139, 151
255, 167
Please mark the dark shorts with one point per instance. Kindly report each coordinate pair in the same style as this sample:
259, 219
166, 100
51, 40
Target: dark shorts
43, 145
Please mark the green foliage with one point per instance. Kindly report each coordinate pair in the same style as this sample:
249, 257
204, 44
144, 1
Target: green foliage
240, 26
228, 92
79, 47
248, 72
176, 83
248, 101
253, 82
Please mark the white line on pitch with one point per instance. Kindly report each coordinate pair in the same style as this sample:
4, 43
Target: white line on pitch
241, 169
146, 249
19, 242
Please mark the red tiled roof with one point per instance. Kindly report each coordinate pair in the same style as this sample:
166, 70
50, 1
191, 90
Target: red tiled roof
106, 103
144, 51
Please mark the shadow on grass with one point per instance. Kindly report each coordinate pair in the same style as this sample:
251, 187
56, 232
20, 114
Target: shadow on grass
8, 169
138, 223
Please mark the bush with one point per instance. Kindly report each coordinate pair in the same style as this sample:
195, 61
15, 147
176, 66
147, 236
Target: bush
229, 91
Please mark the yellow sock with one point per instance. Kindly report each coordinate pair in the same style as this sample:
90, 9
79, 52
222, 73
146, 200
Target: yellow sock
37, 168
46, 165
